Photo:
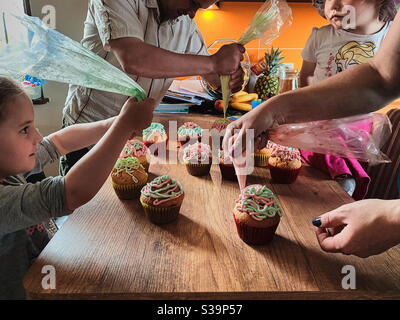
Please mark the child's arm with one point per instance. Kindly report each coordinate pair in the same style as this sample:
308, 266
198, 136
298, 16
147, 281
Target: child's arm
87, 176
79, 136
306, 72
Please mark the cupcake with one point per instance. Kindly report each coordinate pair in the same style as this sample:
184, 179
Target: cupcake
137, 149
189, 131
284, 164
226, 166
161, 199
218, 129
155, 134
128, 177
197, 159
261, 156
256, 214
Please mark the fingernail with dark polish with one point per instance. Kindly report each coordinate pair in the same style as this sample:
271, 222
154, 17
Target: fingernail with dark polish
317, 222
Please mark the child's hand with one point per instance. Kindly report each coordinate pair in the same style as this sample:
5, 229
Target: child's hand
138, 114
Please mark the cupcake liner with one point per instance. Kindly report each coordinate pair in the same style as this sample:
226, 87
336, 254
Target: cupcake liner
279, 175
127, 192
146, 166
253, 235
198, 169
228, 172
261, 160
160, 215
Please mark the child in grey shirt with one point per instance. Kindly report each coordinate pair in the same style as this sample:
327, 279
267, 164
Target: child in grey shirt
25, 208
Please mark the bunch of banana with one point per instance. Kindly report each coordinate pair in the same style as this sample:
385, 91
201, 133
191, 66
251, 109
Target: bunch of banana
242, 100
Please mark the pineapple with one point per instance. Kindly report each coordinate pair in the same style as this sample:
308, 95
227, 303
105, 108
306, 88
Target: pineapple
267, 85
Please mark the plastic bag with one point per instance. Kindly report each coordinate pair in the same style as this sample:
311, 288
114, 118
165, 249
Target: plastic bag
273, 17
359, 137
47, 54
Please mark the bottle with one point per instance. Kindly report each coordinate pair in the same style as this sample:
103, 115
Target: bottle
289, 81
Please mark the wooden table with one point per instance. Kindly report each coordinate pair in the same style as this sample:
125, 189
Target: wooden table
108, 249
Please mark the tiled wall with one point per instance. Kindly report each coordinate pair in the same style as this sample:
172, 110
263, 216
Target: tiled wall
233, 18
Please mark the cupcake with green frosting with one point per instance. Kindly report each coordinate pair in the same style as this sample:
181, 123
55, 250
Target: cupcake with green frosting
128, 177
257, 215
155, 135
189, 132
162, 199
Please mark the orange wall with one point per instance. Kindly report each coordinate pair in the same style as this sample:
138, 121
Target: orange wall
233, 18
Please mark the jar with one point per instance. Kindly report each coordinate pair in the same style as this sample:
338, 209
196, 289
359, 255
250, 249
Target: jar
288, 81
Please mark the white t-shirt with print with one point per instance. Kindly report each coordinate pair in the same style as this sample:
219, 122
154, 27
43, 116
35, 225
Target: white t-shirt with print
335, 50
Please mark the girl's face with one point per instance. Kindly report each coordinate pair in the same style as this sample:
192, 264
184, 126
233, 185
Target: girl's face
18, 138
365, 11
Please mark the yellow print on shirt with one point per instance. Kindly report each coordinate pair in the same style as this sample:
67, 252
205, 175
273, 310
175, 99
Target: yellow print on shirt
353, 53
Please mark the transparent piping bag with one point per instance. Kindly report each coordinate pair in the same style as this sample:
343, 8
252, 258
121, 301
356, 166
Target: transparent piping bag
47, 54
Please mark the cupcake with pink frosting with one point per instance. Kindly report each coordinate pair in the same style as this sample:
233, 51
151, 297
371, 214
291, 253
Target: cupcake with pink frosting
257, 215
189, 132
284, 164
218, 129
197, 159
137, 149
162, 199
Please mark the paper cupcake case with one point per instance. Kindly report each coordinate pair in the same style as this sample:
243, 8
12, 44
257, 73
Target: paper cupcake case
127, 192
198, 169
261, 160
160, 215
253, 235
280, 175
228, 172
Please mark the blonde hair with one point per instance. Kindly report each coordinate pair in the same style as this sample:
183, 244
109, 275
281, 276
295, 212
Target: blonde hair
360, 53
9, 89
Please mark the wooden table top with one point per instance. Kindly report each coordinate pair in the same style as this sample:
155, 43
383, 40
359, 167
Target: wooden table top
108, 249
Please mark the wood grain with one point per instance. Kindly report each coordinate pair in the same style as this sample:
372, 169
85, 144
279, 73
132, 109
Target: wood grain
108, 249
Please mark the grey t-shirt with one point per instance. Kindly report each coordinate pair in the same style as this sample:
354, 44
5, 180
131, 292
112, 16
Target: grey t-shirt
334, 51
23, 205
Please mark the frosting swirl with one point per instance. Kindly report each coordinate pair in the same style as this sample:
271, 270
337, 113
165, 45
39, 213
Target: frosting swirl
190, 129
154, 128
162, 189
128, 165
259, 202
286, 154
220, 124
197, 153
134, 148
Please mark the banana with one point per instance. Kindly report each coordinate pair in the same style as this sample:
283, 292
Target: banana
239, 94
246, 98
241, 106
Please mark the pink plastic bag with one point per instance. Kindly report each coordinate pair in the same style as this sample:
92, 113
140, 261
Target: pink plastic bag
359, 137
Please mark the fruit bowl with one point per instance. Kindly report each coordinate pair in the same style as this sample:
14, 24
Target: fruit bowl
216, 93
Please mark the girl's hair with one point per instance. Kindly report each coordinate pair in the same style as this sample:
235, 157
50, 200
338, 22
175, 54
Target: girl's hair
387, 10
9, 89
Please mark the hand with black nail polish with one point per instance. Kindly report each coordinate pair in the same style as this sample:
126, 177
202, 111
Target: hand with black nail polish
361, 228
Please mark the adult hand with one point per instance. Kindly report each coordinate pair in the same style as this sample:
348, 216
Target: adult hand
361, 228
259, 119
227, 60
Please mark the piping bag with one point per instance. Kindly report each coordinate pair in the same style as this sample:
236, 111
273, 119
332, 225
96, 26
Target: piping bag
273, 17
47, 54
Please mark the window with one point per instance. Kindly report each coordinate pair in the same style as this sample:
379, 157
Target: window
9, 30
